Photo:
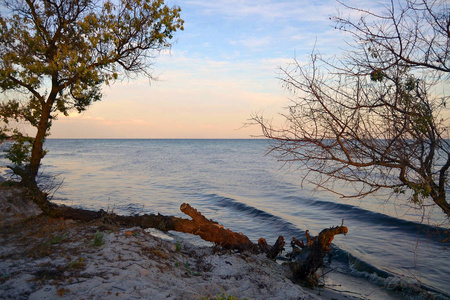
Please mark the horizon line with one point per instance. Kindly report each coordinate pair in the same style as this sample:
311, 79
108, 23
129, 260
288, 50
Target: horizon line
175, 138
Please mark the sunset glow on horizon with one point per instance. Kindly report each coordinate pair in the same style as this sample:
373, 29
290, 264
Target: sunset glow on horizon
222, 69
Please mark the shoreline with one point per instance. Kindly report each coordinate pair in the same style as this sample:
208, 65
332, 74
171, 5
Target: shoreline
46, 258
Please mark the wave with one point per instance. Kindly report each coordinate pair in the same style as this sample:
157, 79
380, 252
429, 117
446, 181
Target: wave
163, 173
409, 288
427, 231
353, 266
354, 213
277, 223
361, 215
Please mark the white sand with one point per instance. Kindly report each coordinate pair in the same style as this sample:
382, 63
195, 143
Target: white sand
57, 259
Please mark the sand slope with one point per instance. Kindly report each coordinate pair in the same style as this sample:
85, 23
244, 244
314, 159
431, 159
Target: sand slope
43, 258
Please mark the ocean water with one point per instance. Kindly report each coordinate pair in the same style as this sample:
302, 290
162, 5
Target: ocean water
235, 183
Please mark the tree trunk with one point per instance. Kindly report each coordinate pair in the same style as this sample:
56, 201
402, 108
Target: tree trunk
442, 203
37, 150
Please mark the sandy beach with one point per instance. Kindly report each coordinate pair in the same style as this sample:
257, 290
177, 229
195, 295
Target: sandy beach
44, 258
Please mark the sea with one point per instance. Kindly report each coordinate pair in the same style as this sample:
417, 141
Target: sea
392, 247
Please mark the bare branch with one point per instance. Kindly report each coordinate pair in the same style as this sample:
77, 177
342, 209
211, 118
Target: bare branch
371, 118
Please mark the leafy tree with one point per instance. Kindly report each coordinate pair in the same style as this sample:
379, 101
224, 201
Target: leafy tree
56, 55
373, 118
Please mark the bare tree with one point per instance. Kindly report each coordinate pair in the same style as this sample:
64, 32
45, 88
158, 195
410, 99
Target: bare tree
373, 117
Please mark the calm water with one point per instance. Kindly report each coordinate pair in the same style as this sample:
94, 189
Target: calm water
236, 184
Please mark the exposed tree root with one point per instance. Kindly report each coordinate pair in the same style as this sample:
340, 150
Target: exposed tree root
309, 258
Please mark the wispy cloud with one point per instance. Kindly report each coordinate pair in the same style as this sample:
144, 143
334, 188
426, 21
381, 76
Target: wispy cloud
268, 10
254, 42
223, 68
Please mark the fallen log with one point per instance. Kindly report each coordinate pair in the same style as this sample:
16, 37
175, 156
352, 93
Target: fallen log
208, 230
303, 270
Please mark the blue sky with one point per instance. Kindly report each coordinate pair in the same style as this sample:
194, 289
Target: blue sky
221, 69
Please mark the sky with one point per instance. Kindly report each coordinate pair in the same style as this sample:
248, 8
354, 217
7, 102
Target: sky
222, 69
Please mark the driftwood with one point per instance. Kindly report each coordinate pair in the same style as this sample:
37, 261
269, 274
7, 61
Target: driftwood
208, 230
312, 252
308, 258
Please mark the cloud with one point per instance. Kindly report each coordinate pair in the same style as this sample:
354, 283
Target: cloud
267, 10
196, 98
223, 68
254, 42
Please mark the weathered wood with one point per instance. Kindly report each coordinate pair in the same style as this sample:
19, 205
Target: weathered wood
310, 257
208, 230
312, 252
212, 231
272, 251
